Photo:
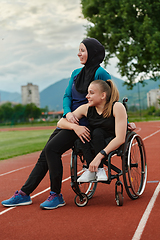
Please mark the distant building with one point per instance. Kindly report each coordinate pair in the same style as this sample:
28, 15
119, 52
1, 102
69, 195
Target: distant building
53, 115
152, 98
30, 94
12, 103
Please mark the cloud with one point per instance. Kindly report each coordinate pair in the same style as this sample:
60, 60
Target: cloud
39, 42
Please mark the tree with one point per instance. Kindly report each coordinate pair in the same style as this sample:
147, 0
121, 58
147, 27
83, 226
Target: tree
151, 110
133, 109
18, 115
7, 111
19, 112
129, 30
1, 114
32, 111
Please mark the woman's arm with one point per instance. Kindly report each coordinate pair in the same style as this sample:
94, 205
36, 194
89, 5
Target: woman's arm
81, 131
120, 115
67, 98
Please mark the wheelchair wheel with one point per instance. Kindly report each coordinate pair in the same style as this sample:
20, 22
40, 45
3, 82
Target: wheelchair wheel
119, 199
81, 201
134, 166
78, 165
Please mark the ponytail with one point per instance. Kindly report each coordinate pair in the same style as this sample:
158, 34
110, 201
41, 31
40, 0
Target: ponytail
114, 97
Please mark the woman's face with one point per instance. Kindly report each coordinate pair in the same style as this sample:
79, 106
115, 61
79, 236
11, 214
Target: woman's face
83, 54
95, 96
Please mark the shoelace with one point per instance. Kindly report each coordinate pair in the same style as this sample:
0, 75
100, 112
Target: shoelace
16, 194
52, 196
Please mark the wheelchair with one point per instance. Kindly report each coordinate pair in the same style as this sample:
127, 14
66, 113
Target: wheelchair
133, 170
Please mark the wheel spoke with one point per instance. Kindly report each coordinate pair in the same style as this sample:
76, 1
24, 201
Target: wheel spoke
135, 177
77, 168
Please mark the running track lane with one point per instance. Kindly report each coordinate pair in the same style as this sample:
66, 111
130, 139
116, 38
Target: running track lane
100, 219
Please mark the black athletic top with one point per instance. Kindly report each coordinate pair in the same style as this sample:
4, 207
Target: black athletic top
98, 121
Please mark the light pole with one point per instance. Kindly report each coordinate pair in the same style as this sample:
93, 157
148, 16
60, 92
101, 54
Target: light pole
139, 99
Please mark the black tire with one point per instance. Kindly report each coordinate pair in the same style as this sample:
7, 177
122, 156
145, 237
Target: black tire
78, 164
119, 199
81, 201
134, 165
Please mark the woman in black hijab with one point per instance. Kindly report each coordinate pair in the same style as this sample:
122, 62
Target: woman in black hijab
75, 94
96, 54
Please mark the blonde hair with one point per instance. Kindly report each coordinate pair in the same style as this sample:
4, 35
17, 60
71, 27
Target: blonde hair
112, 95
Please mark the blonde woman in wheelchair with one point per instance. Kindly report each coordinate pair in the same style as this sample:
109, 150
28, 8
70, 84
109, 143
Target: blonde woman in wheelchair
107, 119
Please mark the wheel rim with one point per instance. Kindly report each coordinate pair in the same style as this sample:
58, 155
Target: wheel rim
87, 188
81, 202
137, 168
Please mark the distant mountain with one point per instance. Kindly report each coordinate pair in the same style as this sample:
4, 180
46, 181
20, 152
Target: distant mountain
138, 95
9, 96
52, 96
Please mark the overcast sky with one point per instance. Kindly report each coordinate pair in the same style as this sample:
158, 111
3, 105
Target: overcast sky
39, 41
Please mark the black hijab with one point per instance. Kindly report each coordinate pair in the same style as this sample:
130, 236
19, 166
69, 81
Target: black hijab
96, 54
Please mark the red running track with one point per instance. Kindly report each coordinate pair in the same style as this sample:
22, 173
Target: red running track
100, 219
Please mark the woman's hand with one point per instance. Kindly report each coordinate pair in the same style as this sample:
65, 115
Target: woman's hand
82, 132
131, 126
93, 167
72, 118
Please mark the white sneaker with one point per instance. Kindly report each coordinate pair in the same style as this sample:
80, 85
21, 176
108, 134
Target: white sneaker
101, 175
87, 176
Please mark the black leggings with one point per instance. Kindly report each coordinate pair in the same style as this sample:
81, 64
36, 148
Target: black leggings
99, 140
59, 142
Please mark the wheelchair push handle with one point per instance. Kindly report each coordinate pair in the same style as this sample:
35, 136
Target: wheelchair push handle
124, 101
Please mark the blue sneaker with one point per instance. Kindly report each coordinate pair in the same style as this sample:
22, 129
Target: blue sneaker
17, 200
54, 201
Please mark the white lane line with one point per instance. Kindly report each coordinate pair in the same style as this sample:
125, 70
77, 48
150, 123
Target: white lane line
154, 181
151, 135
66, 154
69, 178
37, 194
146, 214
3, 174
138, 129
8, 209
148, 210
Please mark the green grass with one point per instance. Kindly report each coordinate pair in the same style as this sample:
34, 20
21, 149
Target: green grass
15, 143
143, 118
33, 124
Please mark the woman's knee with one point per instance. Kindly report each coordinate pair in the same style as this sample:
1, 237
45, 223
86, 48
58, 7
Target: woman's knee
49, 150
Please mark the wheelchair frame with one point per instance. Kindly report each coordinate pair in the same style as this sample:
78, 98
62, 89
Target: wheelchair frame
134, 171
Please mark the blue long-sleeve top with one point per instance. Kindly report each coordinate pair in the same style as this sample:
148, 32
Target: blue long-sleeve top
73, 99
